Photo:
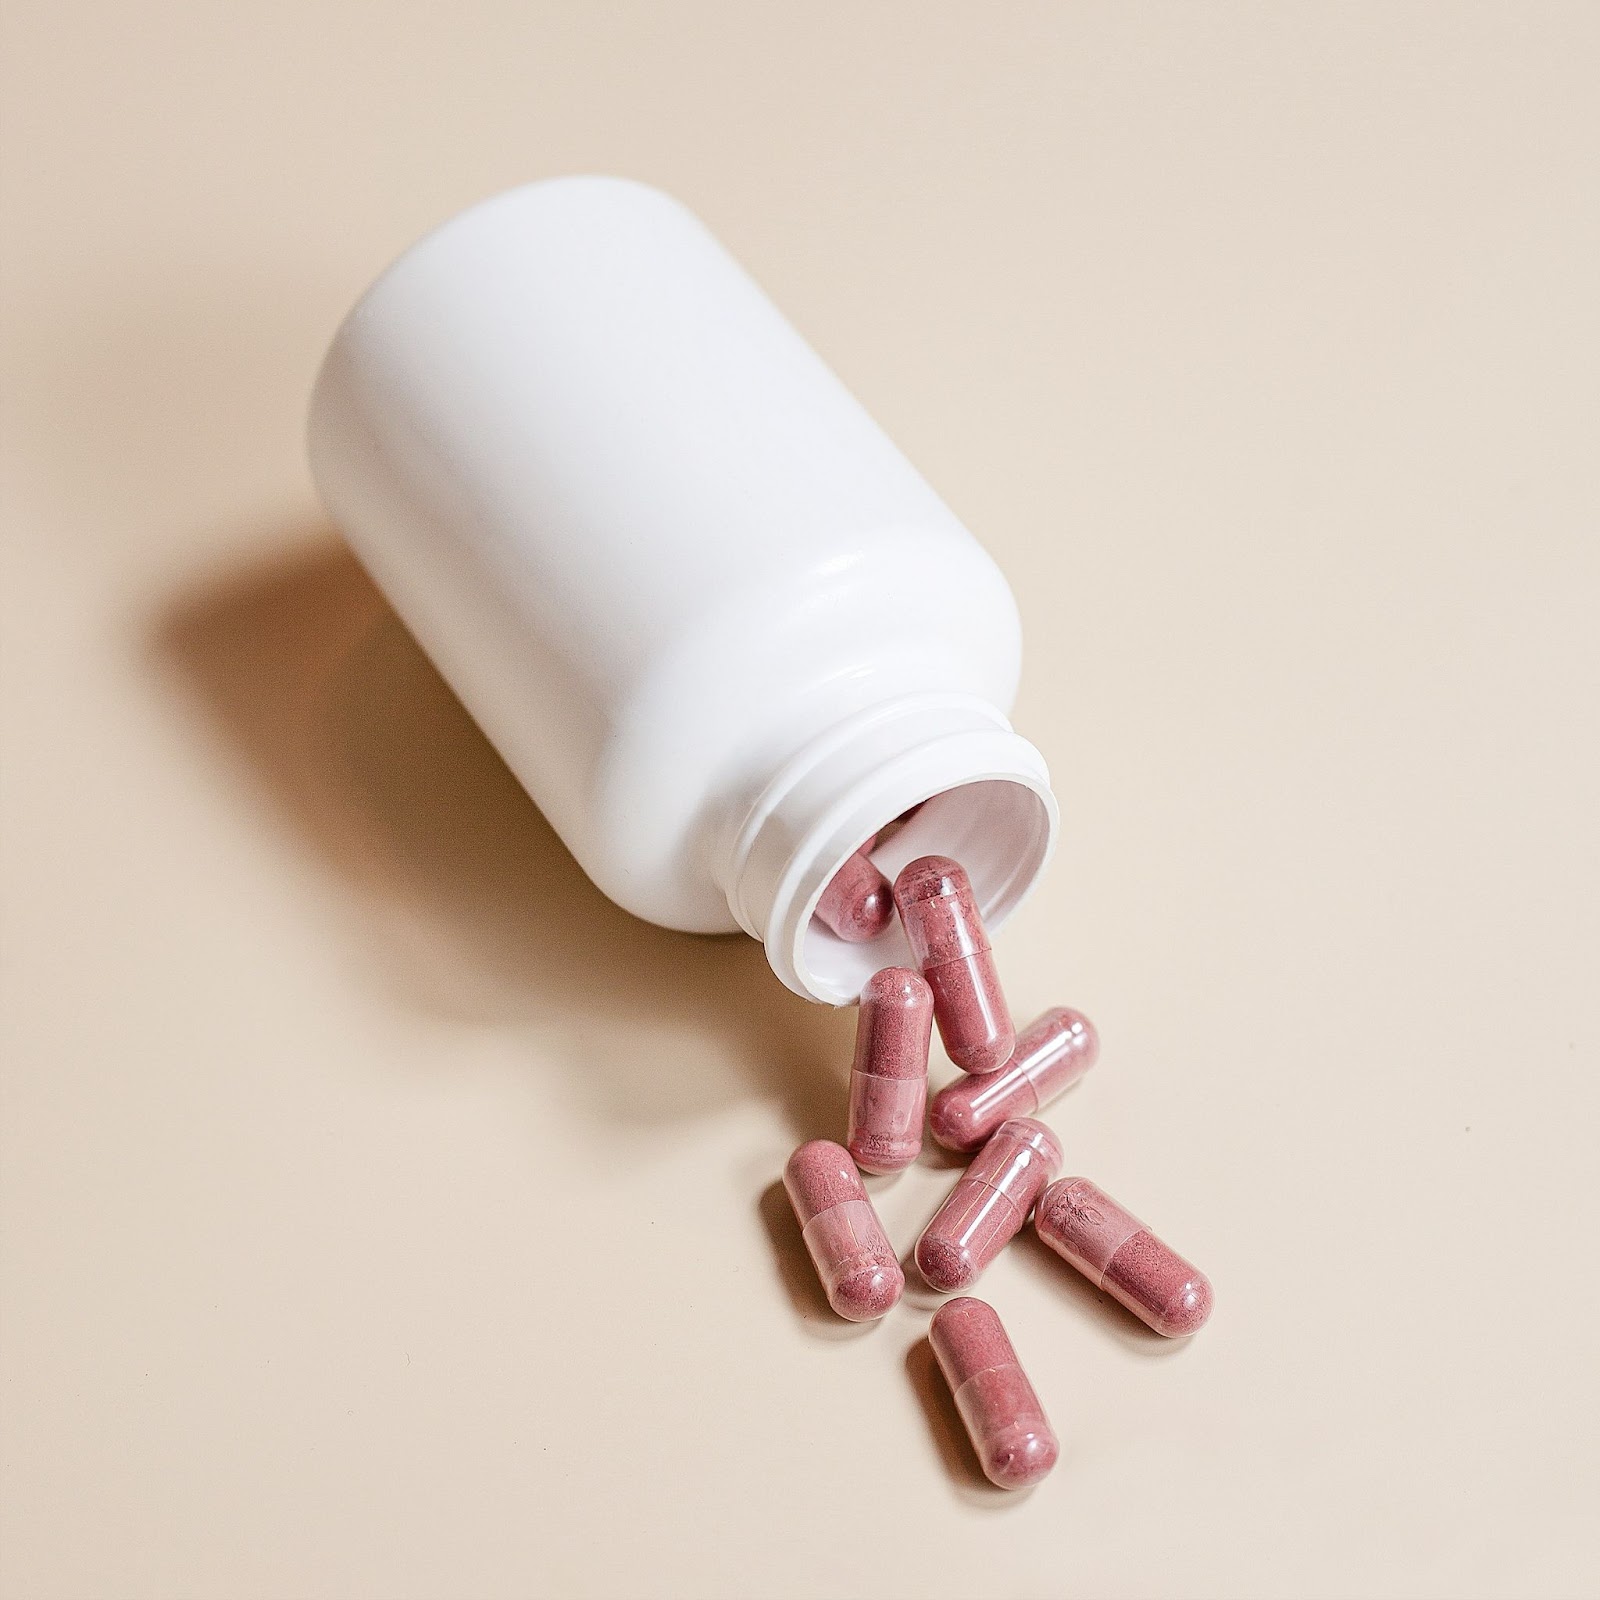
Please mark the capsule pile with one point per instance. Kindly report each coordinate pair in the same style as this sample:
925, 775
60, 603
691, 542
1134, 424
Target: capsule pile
988, 1114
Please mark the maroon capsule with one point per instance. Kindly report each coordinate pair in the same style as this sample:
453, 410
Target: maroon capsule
858, 1267
858, 903
889, 1080
951, 947
1015, 1443
990, 1204
1051, 1053
1114, 1250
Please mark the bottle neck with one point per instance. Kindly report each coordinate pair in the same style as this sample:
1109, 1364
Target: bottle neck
985, 799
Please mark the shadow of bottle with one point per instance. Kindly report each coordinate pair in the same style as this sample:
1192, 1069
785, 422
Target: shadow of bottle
469, 903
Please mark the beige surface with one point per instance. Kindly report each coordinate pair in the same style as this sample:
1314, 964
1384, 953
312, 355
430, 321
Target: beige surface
387, 1215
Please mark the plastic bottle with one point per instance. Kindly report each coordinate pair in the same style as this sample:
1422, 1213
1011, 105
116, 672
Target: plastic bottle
715, 622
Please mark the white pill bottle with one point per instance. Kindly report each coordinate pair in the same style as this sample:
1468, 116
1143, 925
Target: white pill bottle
714, 621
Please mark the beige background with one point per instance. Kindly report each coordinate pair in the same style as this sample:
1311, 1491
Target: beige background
386, 1215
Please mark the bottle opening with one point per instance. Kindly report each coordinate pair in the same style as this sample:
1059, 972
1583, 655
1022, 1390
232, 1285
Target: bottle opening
1000, 830
984, 798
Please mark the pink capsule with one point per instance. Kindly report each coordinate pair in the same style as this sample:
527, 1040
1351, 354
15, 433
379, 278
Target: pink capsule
988, 1207
858, 904
889, 1081
1015, 1443
853, 1256
951, 947
1051, 1053
1114, 1250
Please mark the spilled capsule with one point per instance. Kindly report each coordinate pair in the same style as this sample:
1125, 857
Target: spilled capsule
857, 1265
988, 1207
1114, 1250
889, 1079
1015, 1444
951, 947
1051, 1054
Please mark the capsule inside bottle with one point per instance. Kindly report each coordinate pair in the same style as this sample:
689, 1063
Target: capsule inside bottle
858, 903
989, 1205
1114, 1250
951, 947
1015, 1444
1051, 1054
857, 1265
889, 1079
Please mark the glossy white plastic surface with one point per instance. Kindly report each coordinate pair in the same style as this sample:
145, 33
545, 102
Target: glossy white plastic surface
715, 622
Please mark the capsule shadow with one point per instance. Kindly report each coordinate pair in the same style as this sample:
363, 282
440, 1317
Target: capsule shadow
458, 890
935, 1155
1036, 1257
950, 1434
797, 1273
